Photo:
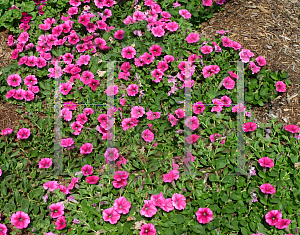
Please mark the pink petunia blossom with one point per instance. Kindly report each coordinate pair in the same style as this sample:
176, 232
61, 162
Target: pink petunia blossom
282, 223
158, 31
45, 163
128, 52
172, 175
179, 201
19, 94
250, 126
173, 120
3, 229
245, 55
179, 113
14, 80
158, 200
147, 229
86, 148
20, 220
147, 135
292, 128
148, 209
111, 215
137, 111
57, 210
23, 133
6, 131
52, 185
261, 61
266, 162
87, 170
272, 217
192, 38
112, 90
267, 188
228, 83
92, 179
204, 215
185, 13
111, 154
122, 206
132, 90
119, 34
192, 122
192, 138
155, 50
61, 221
226, 42
168, 205
206, 49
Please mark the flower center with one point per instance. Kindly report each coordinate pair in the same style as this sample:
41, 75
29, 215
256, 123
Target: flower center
21, 219
204, 213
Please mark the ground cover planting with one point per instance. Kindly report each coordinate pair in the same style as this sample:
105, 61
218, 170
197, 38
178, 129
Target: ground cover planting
147, 126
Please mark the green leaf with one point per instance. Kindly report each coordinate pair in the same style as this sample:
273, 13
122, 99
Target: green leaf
274, 76
213, 177
244, 231
261, 228
260, 103
253, 83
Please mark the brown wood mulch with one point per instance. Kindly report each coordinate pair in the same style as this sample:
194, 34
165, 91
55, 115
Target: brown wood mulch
270, 29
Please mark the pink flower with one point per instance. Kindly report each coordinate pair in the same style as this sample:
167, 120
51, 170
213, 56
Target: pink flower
65, 88
6, 131
10, 40
3, 229
137, 111
173, 120
226, 42
261, 61
83, 59
147, 58
45, 163
20, 219
148, 209
57, 210
185, 13
178, 201
192, 122
238, 108
162, 65
280, 86
228, 83
155, 50
132, 89
82, 118
122, 206
214, 137
198, 108
245, 55
14, 80
128, 52
172, 175
88, 111
148, 229
112, 90
176, 4
168, 205
192, 38
267, 188
192, 138
121, 175
206, 49
111, 215
204, 215
92, 179
226, 100
272, 217
179, 113
209, 70
23, 133
250, 126
87, 170
66, 114
138, 16
111, 154
76, 126
235, 45
292, 128
119, 184
207, 2
19, 94
266, 162
14, 54
28, 95
52, 185
86, 148
172, 26
73, 11
282, 223
60, 222
119, 34
147, 135
158, 200
23, 38
158, 31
